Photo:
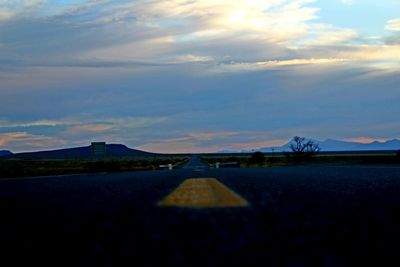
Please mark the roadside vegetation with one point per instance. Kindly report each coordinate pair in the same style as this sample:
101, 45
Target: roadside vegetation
282, 159
24, 167
302, 151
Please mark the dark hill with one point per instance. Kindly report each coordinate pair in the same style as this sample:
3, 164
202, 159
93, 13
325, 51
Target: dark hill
5, 153
112, 150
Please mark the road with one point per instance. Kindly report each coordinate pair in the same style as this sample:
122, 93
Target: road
195, 164
292, 216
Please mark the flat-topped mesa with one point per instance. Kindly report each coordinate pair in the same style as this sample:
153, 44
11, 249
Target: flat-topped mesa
95, 150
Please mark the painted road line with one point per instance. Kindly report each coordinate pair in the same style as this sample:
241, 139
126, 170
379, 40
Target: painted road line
203, 193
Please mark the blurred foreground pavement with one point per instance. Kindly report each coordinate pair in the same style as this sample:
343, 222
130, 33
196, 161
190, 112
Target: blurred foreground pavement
298, 216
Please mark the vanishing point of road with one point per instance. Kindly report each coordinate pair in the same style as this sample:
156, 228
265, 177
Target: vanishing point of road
282, 216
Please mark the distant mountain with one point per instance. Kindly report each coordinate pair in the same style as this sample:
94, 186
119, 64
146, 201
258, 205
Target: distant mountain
337, 145
112, 150
5, 153
332, 145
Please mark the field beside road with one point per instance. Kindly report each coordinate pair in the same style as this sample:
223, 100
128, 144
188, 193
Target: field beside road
44, 167
245, 160
296, 216
20, 167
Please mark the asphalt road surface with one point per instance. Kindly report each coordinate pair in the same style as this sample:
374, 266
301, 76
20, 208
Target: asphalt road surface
195, 164
296, 216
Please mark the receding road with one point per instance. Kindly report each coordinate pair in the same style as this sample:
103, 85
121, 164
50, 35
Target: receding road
296, 216
195, 164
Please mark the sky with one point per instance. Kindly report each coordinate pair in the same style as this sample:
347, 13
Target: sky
197, 76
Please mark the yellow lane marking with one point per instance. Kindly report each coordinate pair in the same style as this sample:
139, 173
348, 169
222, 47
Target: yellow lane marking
203, 193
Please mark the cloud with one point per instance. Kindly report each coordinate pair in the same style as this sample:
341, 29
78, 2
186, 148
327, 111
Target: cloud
10, 9
273, 64
78, 130
322, 35
195, 113
183, 73
87, 129
181, 24
194, 142
158, 29
5, 14
193, 58
23, 141
88, 123
393, 25
364, 140
203, 142
39, 123
271, 18
383, 56
146, 34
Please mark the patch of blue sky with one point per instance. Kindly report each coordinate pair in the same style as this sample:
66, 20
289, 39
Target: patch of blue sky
367, 17
50, 4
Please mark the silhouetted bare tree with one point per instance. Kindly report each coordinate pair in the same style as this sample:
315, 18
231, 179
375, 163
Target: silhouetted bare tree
301, 146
